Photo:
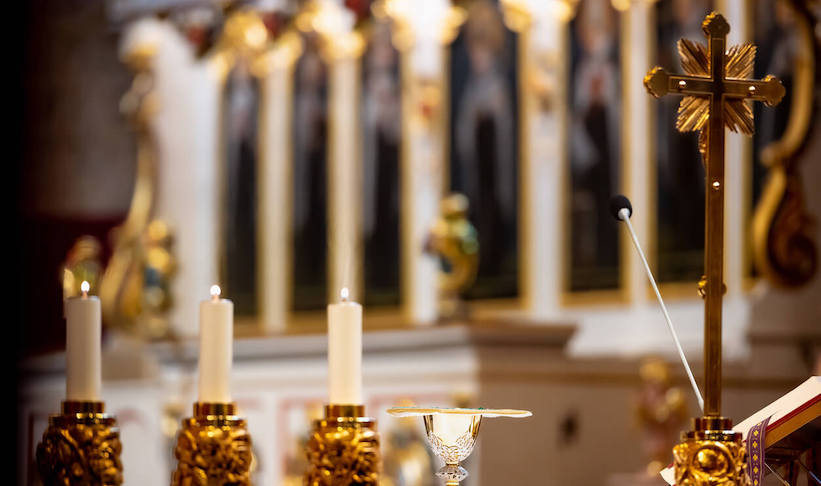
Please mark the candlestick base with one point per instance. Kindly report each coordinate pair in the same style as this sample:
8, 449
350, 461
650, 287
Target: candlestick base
343, 448
710, 455
81, 446
213, 448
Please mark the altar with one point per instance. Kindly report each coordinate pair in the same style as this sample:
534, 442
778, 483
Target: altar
582, 408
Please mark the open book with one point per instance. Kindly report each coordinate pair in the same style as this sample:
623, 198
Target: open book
786, 415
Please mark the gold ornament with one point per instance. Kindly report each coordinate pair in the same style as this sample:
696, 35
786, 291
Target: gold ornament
81, 446
343, 449
785, 245
454, 239
213, 448
710, 457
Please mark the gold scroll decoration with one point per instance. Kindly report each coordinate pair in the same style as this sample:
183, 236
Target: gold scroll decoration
784, 248
80, 448
213, 450
135, 286
343, 450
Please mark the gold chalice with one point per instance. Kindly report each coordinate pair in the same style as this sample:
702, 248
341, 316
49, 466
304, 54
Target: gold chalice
452, 433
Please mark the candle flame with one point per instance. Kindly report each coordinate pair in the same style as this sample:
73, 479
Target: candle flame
344, 294
215, 292
85, 287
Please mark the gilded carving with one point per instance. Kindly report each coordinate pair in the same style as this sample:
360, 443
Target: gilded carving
343, 451
710, 463
213, 451
80, 449
785, 249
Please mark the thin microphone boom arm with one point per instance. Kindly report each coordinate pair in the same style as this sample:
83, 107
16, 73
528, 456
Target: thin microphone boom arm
624, 215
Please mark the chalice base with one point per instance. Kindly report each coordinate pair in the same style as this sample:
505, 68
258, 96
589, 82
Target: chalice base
453, 474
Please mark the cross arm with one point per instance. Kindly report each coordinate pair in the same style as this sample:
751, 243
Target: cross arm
769, 90
659, 83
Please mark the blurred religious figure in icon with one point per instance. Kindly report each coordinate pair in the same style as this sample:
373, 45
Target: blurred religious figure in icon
240, 126
680, 178
661, 411
484, 149
381, 133
594, 146
310, 178
453, 238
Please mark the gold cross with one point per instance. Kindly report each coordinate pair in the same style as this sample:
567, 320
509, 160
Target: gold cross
716, 92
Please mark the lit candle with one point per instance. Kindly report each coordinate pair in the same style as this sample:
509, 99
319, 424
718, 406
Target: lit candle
216, 348
83, 334
345, 352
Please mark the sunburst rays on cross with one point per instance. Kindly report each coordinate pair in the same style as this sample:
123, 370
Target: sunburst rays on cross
694, 109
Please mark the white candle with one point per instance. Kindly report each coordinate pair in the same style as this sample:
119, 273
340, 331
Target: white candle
345, 352
216, 348
83, 334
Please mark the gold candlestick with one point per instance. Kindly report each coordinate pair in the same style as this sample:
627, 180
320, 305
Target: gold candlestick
343, 448
716, 94
213, 448
81, 446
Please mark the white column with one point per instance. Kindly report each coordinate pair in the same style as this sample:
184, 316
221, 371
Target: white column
542, 47
344, 179
422, 29
276, 185
422, 175
738, 169
637, 46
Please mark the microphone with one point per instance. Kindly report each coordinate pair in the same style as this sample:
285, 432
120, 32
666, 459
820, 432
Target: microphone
621, 209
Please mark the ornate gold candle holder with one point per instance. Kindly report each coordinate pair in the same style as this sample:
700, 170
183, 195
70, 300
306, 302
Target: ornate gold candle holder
213, 448
81, 446
343, 448
710, 455
452, 433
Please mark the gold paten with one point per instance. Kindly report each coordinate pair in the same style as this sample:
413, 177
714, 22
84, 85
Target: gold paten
454, 239
81, 446
343, 449
716, 94
213, 448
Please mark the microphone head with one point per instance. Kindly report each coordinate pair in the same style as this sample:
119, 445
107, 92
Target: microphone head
619, 202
